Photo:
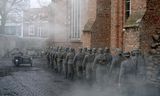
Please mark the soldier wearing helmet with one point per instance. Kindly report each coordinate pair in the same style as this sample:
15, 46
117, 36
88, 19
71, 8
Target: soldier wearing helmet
70, 63
78, 59
115, 66
139, 61
64, 62
127, 75
101, 68
59, 60
87, 65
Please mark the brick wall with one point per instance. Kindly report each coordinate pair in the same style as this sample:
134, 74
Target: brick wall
101, 28
91, 16
86, 39
117, 22
109, 21
75, 45
150, 23
110, 33
138, 5
91, 13
87, 12
131, 39
131, 36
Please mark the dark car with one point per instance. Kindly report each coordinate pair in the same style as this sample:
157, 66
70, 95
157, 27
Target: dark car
18, 60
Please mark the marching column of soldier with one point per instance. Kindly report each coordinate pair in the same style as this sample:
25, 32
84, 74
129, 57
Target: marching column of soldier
99, 66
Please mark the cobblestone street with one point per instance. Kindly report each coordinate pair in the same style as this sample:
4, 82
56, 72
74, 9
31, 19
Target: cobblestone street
40, 80
30, 81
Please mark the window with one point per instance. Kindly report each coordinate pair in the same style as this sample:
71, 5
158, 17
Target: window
75, 17
128, 8
39, 29
31, 30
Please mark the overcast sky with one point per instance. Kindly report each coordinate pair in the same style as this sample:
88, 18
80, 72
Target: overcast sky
37, 4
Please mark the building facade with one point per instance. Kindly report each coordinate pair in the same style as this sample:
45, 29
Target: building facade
78, 18
105, 23
116, 24
150, 28
68, 19
132, 25
14, 23
58, 14
36, 23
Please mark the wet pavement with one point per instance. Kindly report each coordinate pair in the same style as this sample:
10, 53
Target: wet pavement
30, 81
40, 80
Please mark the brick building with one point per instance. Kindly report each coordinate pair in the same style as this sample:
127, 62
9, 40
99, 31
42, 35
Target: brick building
107, 23
150, 24
131, 36
116, 24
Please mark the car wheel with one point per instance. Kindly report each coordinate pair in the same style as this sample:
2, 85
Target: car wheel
18, 65
15, 64
31, 64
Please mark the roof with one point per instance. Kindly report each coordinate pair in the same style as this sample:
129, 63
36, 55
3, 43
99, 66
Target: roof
134, 19
88, 26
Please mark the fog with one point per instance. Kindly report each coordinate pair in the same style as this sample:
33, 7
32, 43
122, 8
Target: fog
83, 89
39, 3
58, 12
23, 24
46, 24
34, 21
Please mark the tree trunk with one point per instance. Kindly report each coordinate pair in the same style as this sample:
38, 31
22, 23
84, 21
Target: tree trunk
3, 23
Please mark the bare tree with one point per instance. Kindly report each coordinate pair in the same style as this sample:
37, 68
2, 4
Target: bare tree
43, 3
6, 7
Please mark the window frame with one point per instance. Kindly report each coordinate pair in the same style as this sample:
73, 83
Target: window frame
127, 11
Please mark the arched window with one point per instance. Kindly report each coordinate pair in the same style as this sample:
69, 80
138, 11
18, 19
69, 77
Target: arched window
128, 8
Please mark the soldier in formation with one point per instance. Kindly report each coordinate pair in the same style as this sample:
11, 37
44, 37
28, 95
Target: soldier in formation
127, 75
87, 66
115, 66
98, 67
101, 66
70, 63
139, 61
78, 59
59, 60
64, 62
